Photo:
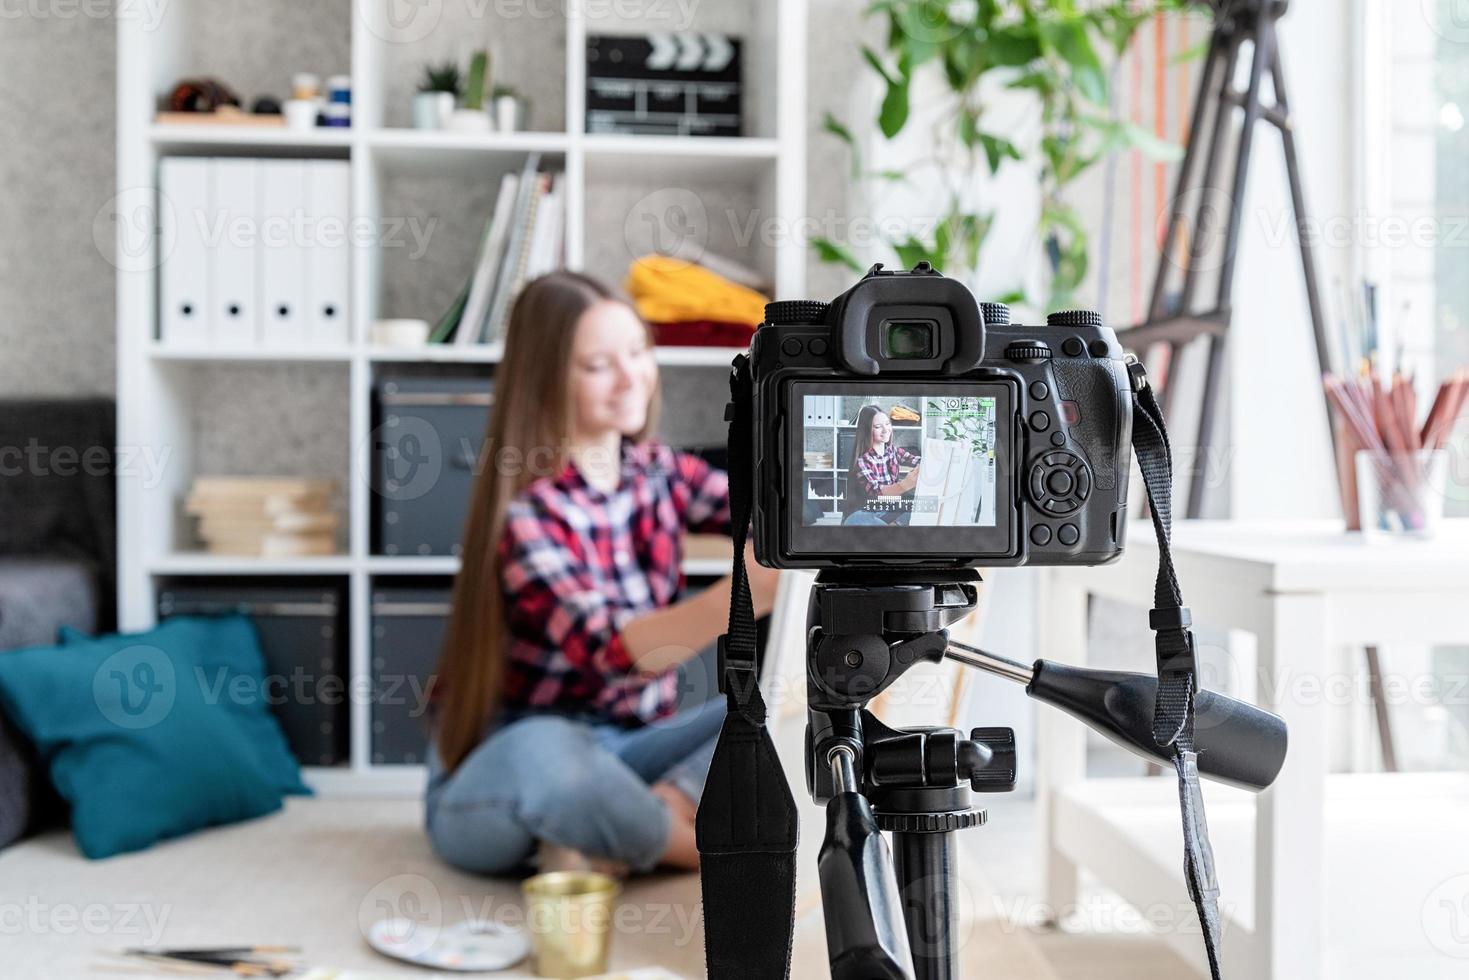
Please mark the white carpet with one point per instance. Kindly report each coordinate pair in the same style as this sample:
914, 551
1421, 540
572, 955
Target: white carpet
318, 873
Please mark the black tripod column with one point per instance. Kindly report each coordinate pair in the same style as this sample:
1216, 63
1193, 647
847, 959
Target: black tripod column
923, 859
926, 887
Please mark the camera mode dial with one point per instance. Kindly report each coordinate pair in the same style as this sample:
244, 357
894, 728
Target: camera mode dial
1059, 482
795, 311
1075, 318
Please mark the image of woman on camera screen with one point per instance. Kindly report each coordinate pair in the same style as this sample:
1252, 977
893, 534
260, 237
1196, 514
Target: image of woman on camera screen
874, 480
572, 718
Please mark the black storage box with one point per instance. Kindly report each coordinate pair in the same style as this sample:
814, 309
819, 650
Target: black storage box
427, 443
303, 639
407, 631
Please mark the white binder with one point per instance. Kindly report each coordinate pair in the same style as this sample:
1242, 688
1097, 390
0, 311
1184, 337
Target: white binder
284, 231
232, 233
328, 197
186, 303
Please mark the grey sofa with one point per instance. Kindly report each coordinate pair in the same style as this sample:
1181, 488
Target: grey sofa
57, 558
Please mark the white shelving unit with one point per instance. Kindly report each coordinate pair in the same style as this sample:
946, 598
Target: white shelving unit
155, 407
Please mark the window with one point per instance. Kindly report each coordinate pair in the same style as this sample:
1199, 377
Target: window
1415, 245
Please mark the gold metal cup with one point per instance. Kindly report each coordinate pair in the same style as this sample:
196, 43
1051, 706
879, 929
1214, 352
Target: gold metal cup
570, 918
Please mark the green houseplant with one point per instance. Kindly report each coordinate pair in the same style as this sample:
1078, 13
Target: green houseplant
438, 91
1051, 51
472, 114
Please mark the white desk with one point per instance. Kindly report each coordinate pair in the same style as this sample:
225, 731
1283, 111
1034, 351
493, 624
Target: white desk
1315, 881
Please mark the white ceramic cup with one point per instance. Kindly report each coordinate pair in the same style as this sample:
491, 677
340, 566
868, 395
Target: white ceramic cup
300, 113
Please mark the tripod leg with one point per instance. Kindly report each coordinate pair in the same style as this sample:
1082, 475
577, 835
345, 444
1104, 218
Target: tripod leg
1260, 59
1156, 304
1228, 57
1298, 205
1208, 413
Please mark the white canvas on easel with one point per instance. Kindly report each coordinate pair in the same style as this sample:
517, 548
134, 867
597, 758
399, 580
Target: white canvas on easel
947, 484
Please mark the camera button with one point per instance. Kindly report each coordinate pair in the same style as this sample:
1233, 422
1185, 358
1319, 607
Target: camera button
1058, 438
1072, 347
1037, 484
1059, 482
1083, 482
1068, 534
1098, 348
1038, 390
816, 347
1040, 421
1041, 534
791, 347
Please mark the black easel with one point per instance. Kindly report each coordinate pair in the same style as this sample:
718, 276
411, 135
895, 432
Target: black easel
1172, 316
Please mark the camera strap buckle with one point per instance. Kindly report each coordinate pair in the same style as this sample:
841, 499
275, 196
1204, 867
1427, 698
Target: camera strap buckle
1137, 375
739, 678
1175, 642
1176, 655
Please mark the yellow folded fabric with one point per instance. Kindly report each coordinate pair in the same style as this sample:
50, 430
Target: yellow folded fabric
666, 290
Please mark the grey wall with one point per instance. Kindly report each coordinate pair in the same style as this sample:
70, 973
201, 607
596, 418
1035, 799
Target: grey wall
56, 172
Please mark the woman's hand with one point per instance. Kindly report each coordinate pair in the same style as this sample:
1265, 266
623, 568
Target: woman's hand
908, 482
763, 582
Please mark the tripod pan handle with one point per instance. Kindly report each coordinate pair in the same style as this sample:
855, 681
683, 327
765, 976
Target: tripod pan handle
1237, 743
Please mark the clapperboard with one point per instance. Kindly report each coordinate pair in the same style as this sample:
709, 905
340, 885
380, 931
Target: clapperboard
662, 83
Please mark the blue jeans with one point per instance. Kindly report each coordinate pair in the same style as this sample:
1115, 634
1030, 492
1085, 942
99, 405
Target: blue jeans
865, 518
571, 781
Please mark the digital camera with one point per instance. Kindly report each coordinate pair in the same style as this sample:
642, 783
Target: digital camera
904, 424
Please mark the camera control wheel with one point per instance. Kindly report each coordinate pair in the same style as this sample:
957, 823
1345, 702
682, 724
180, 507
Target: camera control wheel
995, 314
1075, 318
1059, 482
795, 311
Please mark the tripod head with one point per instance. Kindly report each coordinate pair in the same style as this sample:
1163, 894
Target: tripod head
864, 635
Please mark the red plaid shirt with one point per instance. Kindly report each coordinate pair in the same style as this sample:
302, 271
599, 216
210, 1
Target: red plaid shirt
880, 471
579, 564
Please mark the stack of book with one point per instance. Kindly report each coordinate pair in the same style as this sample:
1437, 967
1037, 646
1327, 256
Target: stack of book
525, 238
268, 517
818, 460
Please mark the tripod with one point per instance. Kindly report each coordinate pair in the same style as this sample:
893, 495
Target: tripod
1172, 318
890, 916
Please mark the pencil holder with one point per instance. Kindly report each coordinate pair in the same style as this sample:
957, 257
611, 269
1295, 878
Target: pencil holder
1401, 494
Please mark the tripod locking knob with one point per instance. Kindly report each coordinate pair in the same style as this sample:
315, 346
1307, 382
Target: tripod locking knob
988, 759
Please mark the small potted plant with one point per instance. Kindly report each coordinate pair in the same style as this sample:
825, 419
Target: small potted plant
471, 116
511, 109
438, 92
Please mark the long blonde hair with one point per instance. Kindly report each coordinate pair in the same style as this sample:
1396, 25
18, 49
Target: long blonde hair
531, 420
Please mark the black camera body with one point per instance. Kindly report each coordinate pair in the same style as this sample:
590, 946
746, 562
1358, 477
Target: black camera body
906, 425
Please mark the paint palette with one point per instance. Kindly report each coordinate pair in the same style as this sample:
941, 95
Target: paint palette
468, 946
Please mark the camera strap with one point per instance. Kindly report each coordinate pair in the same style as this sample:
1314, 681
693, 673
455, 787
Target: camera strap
746, 826
1178, 676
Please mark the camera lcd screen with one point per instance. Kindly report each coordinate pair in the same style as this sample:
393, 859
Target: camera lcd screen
893, 467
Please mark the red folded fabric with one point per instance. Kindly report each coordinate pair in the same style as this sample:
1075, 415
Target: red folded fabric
702, 333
